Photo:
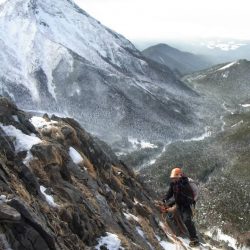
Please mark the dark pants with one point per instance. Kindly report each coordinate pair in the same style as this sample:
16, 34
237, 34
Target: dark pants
186, 215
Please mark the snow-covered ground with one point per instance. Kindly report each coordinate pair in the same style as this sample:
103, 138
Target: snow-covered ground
111, 241
130, 216
245, 105
75, 156
40, 122
21, 141
49, 198
140, 144
218, 235
32, 38
228, 65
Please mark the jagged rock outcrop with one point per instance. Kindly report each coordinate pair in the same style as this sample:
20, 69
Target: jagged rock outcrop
61, 190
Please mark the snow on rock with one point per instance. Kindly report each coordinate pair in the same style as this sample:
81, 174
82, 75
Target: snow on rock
245, 105
166, 245
130, 216
75, 156
40, 122
49, 198
228, 65
22, 141
238, 123
140, 232
3, 199
28, 158
225, 75
140, 143
33, 38
218, 235
110, 241
15, 118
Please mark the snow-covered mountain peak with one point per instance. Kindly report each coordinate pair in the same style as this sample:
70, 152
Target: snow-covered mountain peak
39, 34
56, 57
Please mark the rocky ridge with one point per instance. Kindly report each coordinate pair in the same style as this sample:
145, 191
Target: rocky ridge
62, 189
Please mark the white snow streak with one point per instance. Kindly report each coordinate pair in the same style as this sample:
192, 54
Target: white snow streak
245, 105
111, 241
76, 157
40, 122
130, 216
21, 140
228, 66
49, 198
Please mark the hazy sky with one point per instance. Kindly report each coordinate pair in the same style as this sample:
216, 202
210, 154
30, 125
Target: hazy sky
159, 20
146, 20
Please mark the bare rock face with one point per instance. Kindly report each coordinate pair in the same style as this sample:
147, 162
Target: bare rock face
7, 213
62, 189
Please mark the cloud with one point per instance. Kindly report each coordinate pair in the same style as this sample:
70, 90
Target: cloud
163, 19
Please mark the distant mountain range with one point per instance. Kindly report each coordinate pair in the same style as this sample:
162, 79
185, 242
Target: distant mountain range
229, 82
179, 61
216, 50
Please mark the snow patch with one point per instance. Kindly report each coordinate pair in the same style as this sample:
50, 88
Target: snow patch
40, 122
28, 158
225, 75
22, 142
49, 198
15, 117
111, 241
140, 144
166, 245
238, 123
228, 65
245, 105
75, 156
140, 232
218, 235
3, 199
130, 216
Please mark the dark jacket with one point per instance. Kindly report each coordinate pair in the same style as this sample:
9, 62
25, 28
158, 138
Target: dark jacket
181, 191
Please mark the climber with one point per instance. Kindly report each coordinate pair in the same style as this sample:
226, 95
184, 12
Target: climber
182, 193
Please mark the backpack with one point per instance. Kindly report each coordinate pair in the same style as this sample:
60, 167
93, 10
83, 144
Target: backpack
194, 186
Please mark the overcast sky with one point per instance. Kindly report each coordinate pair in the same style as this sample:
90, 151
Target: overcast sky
161, 20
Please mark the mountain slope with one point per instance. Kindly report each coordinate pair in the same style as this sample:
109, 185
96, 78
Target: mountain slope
56, 57
179, 61
217, 50
219, 161
63, 189
228, 82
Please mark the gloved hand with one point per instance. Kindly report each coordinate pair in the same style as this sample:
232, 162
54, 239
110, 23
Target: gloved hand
164, 200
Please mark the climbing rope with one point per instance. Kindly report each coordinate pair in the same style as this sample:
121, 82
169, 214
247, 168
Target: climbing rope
168, 230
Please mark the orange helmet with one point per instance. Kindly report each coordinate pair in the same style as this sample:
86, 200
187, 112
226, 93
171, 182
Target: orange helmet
176, 172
